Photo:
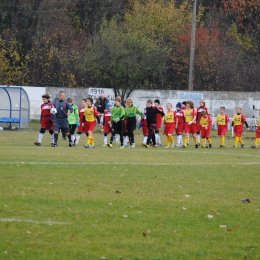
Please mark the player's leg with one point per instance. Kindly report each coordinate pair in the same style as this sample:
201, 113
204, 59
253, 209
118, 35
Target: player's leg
40, 136
105, 139
72, 132
52, 136
187, 133
208, 137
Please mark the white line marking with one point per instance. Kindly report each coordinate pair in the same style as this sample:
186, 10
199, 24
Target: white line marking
32, 221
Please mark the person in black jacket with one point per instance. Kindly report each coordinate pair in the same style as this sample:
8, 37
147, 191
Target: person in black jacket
151, 112
101, 103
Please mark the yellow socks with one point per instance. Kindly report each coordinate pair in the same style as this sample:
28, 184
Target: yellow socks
202, 142
241, 141
89, 140
222, 140
209, 140
186, 140
256, 142
236, 141
171, 139
168, 142
195, 139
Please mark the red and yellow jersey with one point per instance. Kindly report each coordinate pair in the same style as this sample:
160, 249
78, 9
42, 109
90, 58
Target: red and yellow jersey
169, 117
199, 110
81, 113
107, 117
159, 116
179, 116
222, 119
46, 109
239, 119
190, 115
205, 121
90, 114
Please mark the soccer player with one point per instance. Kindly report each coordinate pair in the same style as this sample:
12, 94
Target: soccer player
169, 126
222, 122
158, 122
190, 123
64, 109
143, 124
238, 123
151, 113
73, 119
257, 133
200, 109
106, 122
205, 126
183, 108
117, 117
130, 112
46, 120
89, 122
81, 116
179, 123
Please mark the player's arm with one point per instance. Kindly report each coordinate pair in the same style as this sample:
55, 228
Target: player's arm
70, 108
158, 111
245, 122
138, 111
122, 113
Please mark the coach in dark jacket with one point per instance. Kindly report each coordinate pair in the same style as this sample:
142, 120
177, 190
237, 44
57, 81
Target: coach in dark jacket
100, 103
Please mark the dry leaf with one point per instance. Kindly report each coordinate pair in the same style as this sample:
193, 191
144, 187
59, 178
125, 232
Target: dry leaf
144, 234
237, 226
118, 192
229, 230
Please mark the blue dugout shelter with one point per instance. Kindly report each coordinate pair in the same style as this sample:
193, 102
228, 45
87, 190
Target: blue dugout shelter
14, 107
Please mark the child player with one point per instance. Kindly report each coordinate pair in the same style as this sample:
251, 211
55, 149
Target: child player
179, 123
205, 125
169, 126
151, 113
143, 124
190, 123
130, 112
73, 119
46, 120
257, 133
158, 122
183, 108
200, 109
238, 123
222, 122
81, 116
117, 117
106, 122
89, 122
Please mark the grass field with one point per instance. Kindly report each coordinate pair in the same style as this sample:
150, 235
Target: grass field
77, 203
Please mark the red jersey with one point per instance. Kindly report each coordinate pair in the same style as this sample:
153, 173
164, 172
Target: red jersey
199, 110
179, 116
107, 117
159, 118
81, 113
46, 109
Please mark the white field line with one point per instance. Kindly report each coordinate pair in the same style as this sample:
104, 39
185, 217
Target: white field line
32, 221
127, 163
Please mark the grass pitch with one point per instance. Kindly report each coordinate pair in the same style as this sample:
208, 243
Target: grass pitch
77, 203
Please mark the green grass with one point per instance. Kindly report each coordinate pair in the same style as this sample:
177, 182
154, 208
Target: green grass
68, 208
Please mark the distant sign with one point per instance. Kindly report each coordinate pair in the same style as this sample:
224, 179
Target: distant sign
195, 97
96, 92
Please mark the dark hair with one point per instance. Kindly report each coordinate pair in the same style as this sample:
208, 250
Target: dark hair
223, 108
184, 103
157, 101
190, 103
70, 100
90, 99
118, 99
46, 96
84, 99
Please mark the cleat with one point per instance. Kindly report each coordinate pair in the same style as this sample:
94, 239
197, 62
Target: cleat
210, 145
54, 145
133, 145
183, 146
37, 144
220, 146
143, 144
234, 146
70, 144
253, 146
121, 147
242, 145
86, 146
196, 146
155, 146
188, 143
91, 146
172, 146
159, 144
146, 145
203, 147
109, 145
167, 147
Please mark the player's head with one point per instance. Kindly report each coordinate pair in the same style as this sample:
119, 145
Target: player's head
118, 101
70, 100
89, 101
149, 103
83, 102
46, 98
189, 104
178, 106
203, 113
156, 102
108, 106
183, 104
238, 109
169, 106
202, 103
129, 102
61, 95
222, 110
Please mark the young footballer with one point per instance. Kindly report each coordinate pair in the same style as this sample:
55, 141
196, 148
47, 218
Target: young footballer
222, 123
257, 133
46, 120
106, 122
169, 126
117, 117
158, 122
183, 108
130, 112
151, 113
179, 123
200, 109
89, 122
81, 116
205, 126
143, 124
190, 123
238, 123
73, 119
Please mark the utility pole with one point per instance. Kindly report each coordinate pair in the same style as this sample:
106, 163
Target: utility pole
192, 44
